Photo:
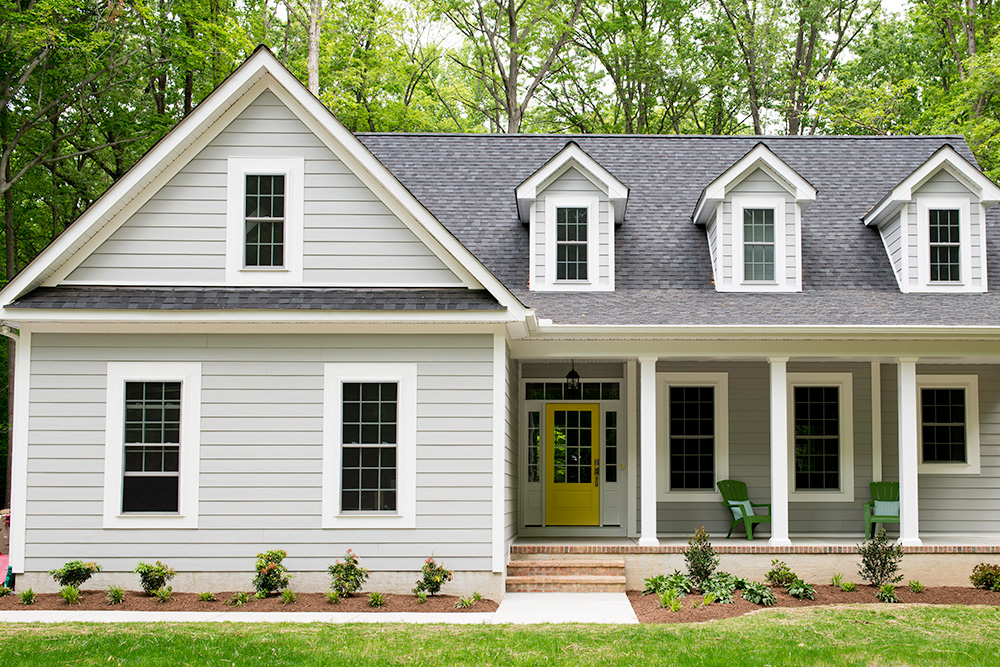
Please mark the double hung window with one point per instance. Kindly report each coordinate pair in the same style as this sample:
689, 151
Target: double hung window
369, 446
758, 244
571, 243
949, 423
265, 220
152, 447
821, 436
944, 245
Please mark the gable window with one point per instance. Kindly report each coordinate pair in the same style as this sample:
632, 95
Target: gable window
152, 447
949, 423
571, 243
821, 436
369, 446
764, 254
944, 245
265, 220
758, 244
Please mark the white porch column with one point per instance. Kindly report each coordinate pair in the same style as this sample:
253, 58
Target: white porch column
779, 452
647, 443
909, 520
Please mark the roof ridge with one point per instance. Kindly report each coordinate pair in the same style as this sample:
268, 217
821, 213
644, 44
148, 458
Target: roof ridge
758, 137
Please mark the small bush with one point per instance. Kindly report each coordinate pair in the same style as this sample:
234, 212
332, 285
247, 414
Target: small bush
116, 595
206, 596
915, 586
239, 599
271, 574
700, 557
880, 560
333, 597
670, 599
27, 597
477, 596
705, 601
837, 580
759, 593
720, 586
848, 587
288, 596
677, 581
74, 573
154, 577
163, 594
348, 576
433, 577
887, 593
986, 576
801, 590
421, 597
71, 594
4, 591
376, 599
465, 603
779, 574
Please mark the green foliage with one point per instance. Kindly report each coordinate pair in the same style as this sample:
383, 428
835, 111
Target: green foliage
71, 594
915, 586
239, 598
759, 593
465, 603
288, 596
271, 574
848, 587
837, 579
206, 596
433, 577
986, 576
74, 573
477, 596
801, 590
779, 574
670, 599
116, 594
333, 597
677, 581
376, 599
880, 560
348, 576
154, 577
163, 594
720, 586
421, 597
27, 596
700, 557
4, 591
886, 593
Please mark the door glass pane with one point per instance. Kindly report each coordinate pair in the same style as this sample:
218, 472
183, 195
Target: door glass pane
572, 442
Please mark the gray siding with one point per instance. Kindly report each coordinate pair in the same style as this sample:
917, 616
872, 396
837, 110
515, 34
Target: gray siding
892, 238
512, 447
261, 450
179, 235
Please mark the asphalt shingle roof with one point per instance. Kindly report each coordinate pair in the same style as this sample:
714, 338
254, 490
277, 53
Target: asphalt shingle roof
663, 271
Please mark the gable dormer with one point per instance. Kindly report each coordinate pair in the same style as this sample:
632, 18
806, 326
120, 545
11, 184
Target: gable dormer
571, 206
752, 214
933, 225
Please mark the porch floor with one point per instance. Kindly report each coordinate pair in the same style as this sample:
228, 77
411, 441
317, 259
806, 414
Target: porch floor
948, 542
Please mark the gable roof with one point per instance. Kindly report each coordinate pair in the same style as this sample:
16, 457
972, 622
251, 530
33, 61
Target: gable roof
259, 72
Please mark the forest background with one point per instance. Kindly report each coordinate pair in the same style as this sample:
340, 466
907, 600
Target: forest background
88, 86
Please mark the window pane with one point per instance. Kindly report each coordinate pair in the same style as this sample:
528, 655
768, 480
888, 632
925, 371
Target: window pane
368, 479
149, 494
692, 437
534, 445
817, 437
611, 447
571, 244
943, 428
368, 471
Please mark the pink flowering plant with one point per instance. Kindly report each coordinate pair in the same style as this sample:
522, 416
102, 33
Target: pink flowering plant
348, 576
434, 576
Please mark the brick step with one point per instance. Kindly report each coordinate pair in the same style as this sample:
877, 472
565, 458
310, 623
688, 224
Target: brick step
548, 567
566, 584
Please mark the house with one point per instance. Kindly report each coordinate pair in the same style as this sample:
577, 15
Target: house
273, 333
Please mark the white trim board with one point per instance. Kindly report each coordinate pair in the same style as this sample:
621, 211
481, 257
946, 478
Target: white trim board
845, 385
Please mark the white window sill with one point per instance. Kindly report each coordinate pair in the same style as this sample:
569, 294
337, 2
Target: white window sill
356, 521
151, 521
825, 496
694, 496
265, 269
948, 468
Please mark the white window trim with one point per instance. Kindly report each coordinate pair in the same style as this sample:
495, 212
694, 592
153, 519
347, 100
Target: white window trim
720, 382
971, 385
782, 281
291, 273
924, 206
845, 383
548, 282
334, 375
189, 375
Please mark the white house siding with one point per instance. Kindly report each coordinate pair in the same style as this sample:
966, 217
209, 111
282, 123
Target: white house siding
511, 458
892, 238
179, 235
261, 448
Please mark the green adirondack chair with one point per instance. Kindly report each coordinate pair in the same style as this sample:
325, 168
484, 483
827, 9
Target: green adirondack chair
882, 492
735, 497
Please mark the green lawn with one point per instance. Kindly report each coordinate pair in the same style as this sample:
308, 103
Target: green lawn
947, 636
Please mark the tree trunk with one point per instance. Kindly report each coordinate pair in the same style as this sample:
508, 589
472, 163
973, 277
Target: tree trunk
315, 27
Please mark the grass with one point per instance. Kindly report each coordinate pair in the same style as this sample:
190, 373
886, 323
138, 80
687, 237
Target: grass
842, 637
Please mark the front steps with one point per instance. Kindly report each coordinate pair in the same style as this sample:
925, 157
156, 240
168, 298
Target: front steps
534, 573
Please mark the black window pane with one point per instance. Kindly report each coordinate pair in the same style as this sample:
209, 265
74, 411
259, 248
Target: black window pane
692, 437
817, 437
368, 480
943, 427
149, 494
571, 244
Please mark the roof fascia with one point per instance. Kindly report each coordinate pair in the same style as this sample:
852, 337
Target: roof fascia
759, 157
550, 331
571, 155
946, 158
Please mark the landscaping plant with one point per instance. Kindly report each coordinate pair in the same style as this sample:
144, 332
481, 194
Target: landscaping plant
670, 599
700, 557
116, 594
915, 586
206, 596
288, 596
779, 574
880, 560
4, 591
801, 590
837, 579
238, 599
986, 576
433, 577
27, 596
376, 599
163, 594
348, 576
887, 593
759, 593
74, 573
848, 587
465, 603
333, 597
720, 586
154, 577
421, 597
71, 594
271, 574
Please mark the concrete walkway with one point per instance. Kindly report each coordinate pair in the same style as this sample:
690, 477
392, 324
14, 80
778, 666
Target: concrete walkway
515, 608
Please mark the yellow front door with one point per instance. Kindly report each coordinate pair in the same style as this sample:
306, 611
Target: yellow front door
572, 444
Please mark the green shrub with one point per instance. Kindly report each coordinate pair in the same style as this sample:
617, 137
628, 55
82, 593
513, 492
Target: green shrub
154, 577
376, 599
700, 557
670, 599
74, 573
433, 577
801, 590
4, 591
206, 596
116, 595
71, 594
837, 580
759, 593
986, 576
288, 596
880, 560
720, 586
705, 601
27, 597
163, 594
915, 586
348, 576
848, 587
239, 599
677, 581
477, 596
421, 597
333, 597
271, 574
887, 593
465, 603
779, 574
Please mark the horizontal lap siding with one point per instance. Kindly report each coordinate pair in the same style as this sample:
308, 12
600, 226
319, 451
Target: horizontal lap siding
179, 235
893, 241
261, 452
571, 183
511, 451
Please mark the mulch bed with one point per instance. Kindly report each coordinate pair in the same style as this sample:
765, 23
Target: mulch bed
647, 607
137, 601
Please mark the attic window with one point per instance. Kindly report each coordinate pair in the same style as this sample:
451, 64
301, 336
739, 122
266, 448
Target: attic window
944, 242
571, 244
758, 244
265, 220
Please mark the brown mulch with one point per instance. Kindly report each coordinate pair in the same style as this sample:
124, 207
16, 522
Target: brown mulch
95, 600
647, 607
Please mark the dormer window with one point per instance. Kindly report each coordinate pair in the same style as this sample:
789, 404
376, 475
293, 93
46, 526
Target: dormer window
571, 244
758, 244
944, 245
265, 220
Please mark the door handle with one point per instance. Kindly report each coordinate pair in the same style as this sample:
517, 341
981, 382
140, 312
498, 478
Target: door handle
597, 472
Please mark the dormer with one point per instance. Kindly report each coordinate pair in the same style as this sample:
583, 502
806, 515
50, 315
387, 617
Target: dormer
933, 225
752, 214
571, 206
